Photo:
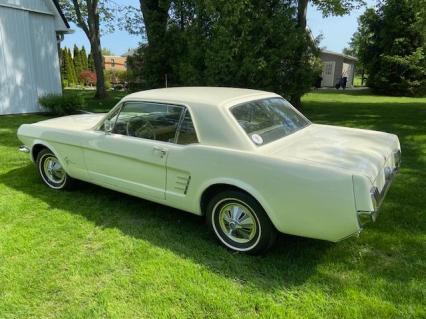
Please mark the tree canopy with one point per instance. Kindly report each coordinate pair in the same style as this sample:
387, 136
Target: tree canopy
390, 43
88, 15
240, 43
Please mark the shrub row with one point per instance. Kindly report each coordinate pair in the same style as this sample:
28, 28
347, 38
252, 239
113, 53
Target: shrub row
62, 104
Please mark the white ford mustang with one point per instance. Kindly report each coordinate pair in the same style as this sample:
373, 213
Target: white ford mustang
246, 159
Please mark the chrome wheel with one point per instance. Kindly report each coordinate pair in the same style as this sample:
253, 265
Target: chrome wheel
237, 222
53, 170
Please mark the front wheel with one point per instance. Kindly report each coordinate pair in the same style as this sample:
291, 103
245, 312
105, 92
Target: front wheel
240, 223
51, 170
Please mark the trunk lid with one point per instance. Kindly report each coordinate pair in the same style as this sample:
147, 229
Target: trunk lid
356, 150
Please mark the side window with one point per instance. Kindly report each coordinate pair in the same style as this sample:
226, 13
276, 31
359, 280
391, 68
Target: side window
186, 133
112, 117
152, 121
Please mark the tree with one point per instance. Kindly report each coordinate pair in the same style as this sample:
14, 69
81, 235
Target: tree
69, 76
84, 61
88, 14
395, 48
327, 7
155, 16
106, 51
229, 43
88, 78
359, 41
90, 63
78, 67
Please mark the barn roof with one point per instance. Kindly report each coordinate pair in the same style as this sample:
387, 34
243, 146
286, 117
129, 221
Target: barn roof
61, 13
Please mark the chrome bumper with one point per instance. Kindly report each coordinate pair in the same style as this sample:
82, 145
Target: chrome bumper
377, 197
24, 149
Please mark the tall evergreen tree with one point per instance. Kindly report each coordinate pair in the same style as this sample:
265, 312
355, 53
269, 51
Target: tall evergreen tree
63, 69
77, 62
90, 62
71, 75
83, 55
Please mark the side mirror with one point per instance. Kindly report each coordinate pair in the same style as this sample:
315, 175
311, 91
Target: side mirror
108, 127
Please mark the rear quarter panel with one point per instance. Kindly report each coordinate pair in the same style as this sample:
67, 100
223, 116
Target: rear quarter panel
300, 198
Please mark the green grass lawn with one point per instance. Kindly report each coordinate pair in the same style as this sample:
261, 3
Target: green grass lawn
95, 253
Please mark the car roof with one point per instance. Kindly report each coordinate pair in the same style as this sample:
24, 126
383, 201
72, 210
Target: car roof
214, 96
207, 105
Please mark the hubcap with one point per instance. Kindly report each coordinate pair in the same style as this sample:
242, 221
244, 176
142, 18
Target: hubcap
238, 222
53, 170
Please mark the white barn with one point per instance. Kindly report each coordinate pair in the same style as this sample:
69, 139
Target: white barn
30, 31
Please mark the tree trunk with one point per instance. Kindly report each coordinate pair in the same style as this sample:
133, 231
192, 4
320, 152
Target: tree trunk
96, 50
99, 70
155, 15
302, 9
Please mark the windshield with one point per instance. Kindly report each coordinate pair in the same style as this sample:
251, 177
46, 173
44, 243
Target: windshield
267, 120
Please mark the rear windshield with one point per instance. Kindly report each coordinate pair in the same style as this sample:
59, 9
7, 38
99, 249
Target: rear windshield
267, 120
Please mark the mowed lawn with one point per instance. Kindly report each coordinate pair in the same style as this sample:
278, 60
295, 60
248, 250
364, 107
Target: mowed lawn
95, 253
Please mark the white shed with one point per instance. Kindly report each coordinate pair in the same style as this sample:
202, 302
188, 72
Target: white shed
335, 66
30, 31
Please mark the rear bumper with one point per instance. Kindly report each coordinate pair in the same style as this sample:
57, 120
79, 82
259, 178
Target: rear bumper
377, 197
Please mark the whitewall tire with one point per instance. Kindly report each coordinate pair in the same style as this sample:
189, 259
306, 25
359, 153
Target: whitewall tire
239, 222
51, 171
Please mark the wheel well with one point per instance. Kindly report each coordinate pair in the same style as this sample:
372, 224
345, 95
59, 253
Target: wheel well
212, 190
37, 149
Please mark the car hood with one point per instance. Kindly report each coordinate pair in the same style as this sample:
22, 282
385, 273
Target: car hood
72, 122
355, 150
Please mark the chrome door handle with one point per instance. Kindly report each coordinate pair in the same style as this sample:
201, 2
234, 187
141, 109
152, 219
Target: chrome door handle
160, 150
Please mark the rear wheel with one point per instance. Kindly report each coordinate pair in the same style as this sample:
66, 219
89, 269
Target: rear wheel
51, 170
239, 222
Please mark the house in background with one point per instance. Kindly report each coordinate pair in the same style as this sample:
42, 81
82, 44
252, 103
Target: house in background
30, 32
115, 63
336, 66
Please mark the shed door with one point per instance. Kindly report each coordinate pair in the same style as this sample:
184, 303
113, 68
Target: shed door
348, 71
328, 73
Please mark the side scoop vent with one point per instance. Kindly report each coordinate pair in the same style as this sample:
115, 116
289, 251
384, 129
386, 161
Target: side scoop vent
182, 183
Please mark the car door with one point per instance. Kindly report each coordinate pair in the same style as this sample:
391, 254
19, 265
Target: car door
132, 156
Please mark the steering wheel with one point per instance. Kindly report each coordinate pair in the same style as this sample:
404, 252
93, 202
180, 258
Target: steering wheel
140, 127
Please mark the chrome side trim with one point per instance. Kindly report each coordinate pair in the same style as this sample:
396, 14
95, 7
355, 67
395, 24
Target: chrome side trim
24, 149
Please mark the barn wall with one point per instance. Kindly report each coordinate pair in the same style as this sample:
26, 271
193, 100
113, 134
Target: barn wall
45, 55
29, 61
33, 5
18, 93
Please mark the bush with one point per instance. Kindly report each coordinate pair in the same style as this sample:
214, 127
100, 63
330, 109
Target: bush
62, 104
116, 76
88, 78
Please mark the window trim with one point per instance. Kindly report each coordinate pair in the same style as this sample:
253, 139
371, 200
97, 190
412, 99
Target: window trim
121, 104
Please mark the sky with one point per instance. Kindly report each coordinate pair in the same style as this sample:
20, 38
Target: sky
336, 32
